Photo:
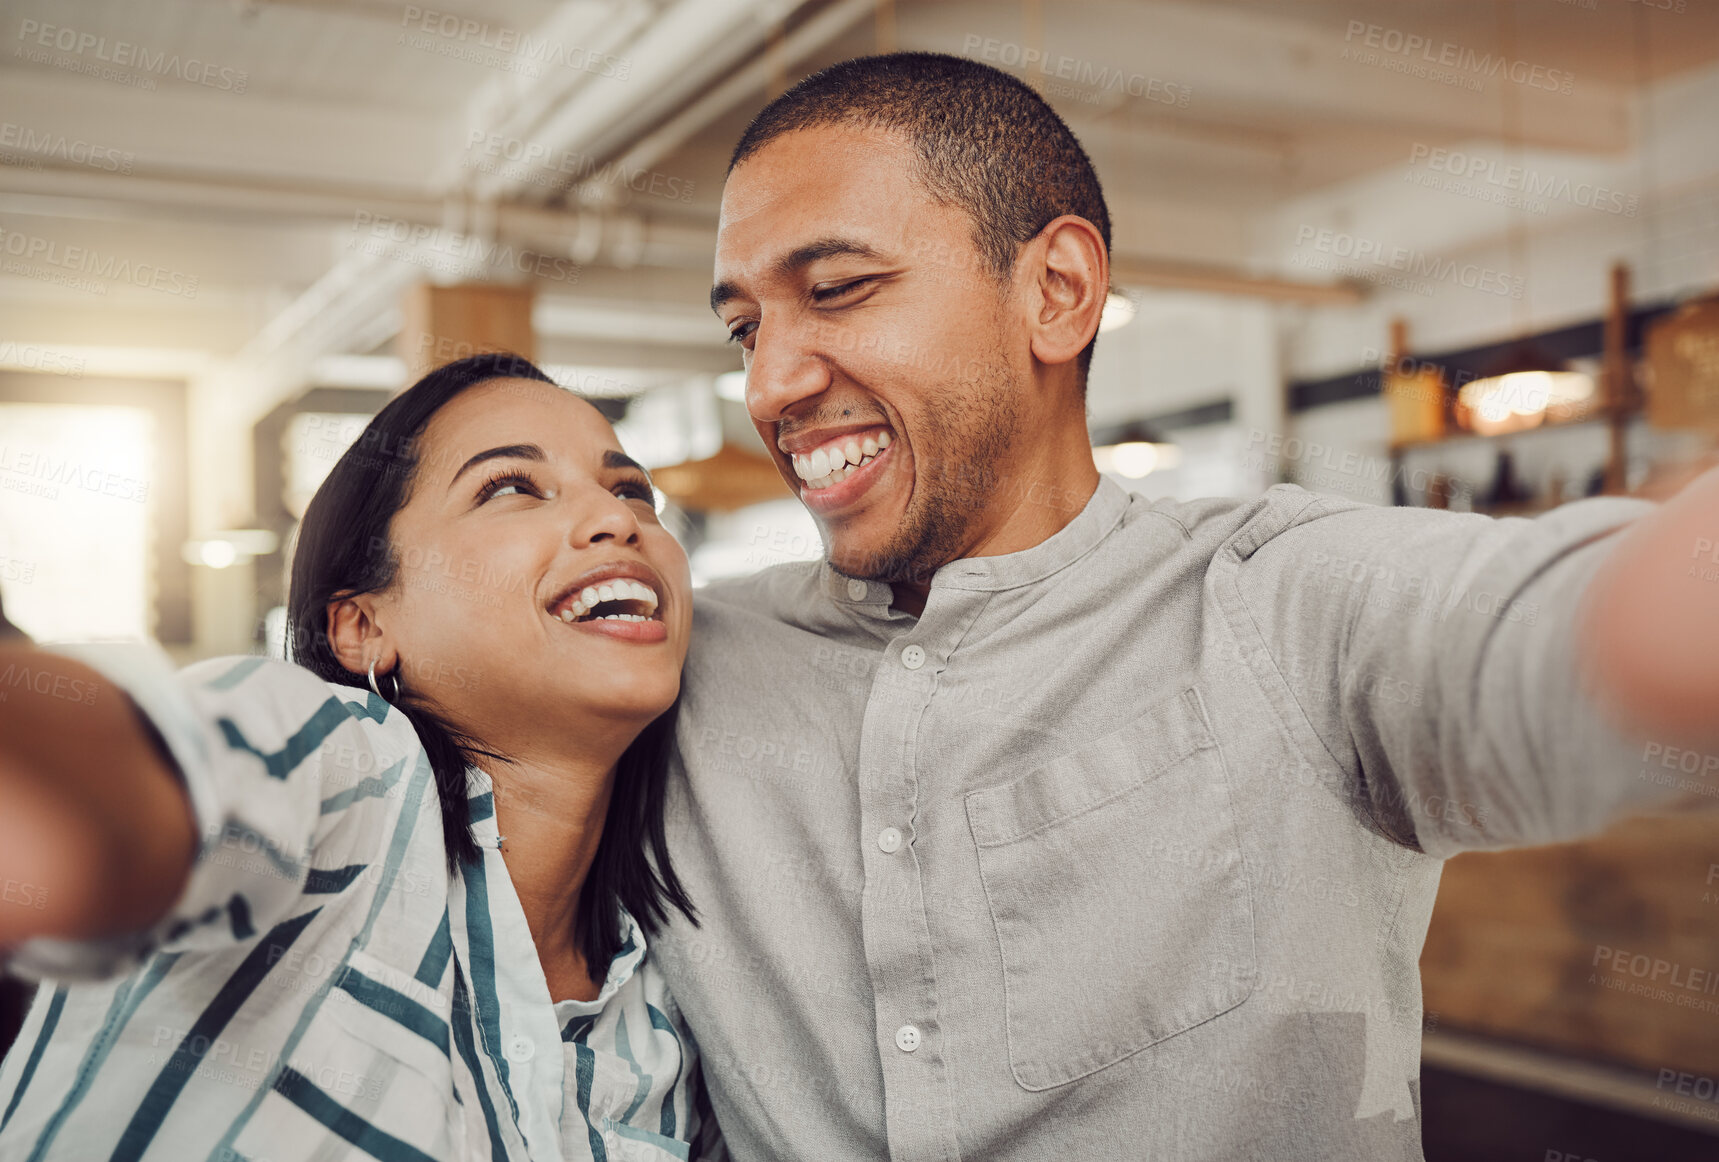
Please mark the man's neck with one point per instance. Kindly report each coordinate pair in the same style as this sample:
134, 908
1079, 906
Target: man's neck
1036, 500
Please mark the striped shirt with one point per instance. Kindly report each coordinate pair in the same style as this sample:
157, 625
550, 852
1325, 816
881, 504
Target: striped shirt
324, 988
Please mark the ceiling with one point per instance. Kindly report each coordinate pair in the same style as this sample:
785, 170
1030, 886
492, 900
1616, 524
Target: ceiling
246, 146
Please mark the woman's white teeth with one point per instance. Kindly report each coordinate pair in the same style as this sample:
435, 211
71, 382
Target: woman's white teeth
618, 589
834, 463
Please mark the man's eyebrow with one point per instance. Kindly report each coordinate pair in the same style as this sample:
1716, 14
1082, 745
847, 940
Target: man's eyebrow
795, 261
620, 460
505, 451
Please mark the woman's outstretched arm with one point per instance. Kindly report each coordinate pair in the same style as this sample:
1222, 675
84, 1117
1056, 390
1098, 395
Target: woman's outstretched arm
97, 835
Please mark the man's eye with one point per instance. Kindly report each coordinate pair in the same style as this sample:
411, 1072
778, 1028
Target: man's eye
742, 332
825, 294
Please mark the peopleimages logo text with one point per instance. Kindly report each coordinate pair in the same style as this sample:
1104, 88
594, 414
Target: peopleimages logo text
1450, 55
1360, 252
125, 54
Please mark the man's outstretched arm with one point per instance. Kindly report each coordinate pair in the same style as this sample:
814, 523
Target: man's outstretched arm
1651, 625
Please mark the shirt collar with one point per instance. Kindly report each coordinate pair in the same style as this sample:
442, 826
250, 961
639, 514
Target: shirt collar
480, 797
1011, 570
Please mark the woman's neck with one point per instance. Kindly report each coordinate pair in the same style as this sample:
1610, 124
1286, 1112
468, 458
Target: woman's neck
550, 815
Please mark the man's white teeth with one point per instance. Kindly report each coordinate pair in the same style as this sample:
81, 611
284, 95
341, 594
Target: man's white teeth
571, 612
835, 462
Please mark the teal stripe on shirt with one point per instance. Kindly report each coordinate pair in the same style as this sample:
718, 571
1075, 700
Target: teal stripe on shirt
370, 787
437, 955
281, 763
176, 1074
463, 1039
126, 999
237, 674
584, 1072
303, 1093
421, 776
480, 939
659, 1020
396, 1006
624, 1049
49, 1020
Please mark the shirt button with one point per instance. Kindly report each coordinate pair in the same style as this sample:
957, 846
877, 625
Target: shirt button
889, 839
907, 1038
856, 589
521, 1049
913, 657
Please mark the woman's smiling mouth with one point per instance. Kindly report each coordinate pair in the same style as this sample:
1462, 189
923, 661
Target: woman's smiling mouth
618, 601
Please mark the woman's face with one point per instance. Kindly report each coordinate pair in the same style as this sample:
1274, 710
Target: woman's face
535, 584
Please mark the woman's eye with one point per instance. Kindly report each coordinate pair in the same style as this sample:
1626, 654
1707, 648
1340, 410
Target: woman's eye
636, 491
508, 484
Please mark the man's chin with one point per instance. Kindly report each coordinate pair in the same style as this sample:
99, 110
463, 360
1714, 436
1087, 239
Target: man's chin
877, 561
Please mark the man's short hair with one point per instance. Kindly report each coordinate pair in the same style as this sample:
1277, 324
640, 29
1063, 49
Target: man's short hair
985, 142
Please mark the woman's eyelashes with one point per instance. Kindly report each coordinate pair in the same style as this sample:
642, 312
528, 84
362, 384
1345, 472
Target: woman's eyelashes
503, 483
636, 490
515, 483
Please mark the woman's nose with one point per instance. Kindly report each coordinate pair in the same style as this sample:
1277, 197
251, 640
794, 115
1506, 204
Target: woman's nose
609, 519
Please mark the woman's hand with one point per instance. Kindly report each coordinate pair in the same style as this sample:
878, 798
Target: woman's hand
96, 833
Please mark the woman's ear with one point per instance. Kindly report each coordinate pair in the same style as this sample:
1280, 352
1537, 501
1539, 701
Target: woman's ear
356, 639
1073, 277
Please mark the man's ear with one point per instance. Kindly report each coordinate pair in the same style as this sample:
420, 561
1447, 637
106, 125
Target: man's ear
355, 637
1071, 276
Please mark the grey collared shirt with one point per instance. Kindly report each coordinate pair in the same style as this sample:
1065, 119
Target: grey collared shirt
1126, 847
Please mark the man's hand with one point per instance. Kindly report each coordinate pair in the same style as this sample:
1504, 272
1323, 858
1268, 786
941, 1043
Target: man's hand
96, 833
1651, 628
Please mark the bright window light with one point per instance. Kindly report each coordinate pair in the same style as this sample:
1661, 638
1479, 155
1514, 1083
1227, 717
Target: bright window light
1118, 312
310, 445
1136, 459
77, 494
731, 385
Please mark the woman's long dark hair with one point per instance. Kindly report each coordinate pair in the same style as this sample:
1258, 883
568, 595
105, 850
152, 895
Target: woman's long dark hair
344, 550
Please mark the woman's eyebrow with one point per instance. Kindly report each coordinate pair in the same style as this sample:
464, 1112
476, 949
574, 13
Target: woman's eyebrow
620, 460
507, 451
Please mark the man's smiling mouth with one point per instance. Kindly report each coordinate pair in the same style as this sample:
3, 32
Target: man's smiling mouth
835, 460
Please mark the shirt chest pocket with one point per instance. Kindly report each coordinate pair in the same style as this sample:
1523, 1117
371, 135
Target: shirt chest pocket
1116, 883
370, 1078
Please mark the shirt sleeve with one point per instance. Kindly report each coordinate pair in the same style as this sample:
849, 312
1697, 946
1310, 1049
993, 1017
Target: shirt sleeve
289, 779
1434, 655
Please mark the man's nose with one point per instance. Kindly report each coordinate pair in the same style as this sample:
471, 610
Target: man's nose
785, 369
